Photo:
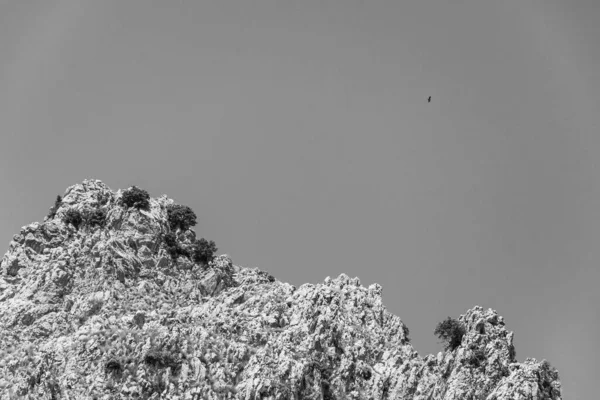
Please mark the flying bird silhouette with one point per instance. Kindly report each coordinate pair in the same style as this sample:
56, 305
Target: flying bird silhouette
429, 99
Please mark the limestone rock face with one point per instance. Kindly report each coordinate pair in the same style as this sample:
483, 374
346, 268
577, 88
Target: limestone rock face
106, 313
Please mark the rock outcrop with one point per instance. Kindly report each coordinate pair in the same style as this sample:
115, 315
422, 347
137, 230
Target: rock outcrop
106, 313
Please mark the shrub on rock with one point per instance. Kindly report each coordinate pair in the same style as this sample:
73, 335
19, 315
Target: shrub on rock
139, 319
451, 331
137, 198
406, 333
476, 358
162, 359
73, 217
103, 199
366, 374
173, 247
114, 368
55, 207
180, 217
97, 218
203, 251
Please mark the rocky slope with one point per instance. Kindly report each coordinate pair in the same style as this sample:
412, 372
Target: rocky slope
106, 313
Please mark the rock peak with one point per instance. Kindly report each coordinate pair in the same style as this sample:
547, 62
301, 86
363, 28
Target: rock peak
111, 298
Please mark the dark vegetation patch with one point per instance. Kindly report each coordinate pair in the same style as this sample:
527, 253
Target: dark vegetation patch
90, 218
137, 198
114, 368
366, 374
181, 217
203, 251
96, 218
54, 208
476, 358
512, 353
451, 331
139, 319
406, 333
103, 199
73, 217
162, 359
173, 247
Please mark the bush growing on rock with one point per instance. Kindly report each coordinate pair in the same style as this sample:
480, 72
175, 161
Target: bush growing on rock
366, 374
139, 319
55, 207
97, 218
450, 331
203, 251
406, 333
103, 199
476, 358
162, 359
113, 367
180, 217
73, 217
137, 198
173, 247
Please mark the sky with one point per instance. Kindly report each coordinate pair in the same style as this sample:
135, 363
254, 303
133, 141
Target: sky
300, 134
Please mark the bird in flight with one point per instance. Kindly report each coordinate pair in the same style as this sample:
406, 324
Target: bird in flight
429, 99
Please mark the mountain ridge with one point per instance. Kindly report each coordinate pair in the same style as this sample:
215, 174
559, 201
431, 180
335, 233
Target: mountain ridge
109, 308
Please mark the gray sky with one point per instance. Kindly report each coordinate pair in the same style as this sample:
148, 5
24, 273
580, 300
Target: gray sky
300, 134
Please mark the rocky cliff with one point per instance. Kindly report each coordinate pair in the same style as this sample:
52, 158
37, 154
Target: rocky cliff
104, 312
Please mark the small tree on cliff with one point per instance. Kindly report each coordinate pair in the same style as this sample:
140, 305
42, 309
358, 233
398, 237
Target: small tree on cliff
173, 247
73, 217
54, 208
137, 198
451, 331
203, 251
180, 217
96, 217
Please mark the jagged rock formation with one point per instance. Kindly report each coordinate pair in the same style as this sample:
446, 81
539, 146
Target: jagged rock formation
105, 313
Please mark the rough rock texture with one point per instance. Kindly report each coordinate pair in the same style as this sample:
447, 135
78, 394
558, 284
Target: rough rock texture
105, 313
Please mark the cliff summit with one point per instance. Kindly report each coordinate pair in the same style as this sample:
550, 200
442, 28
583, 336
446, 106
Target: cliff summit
112, 296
